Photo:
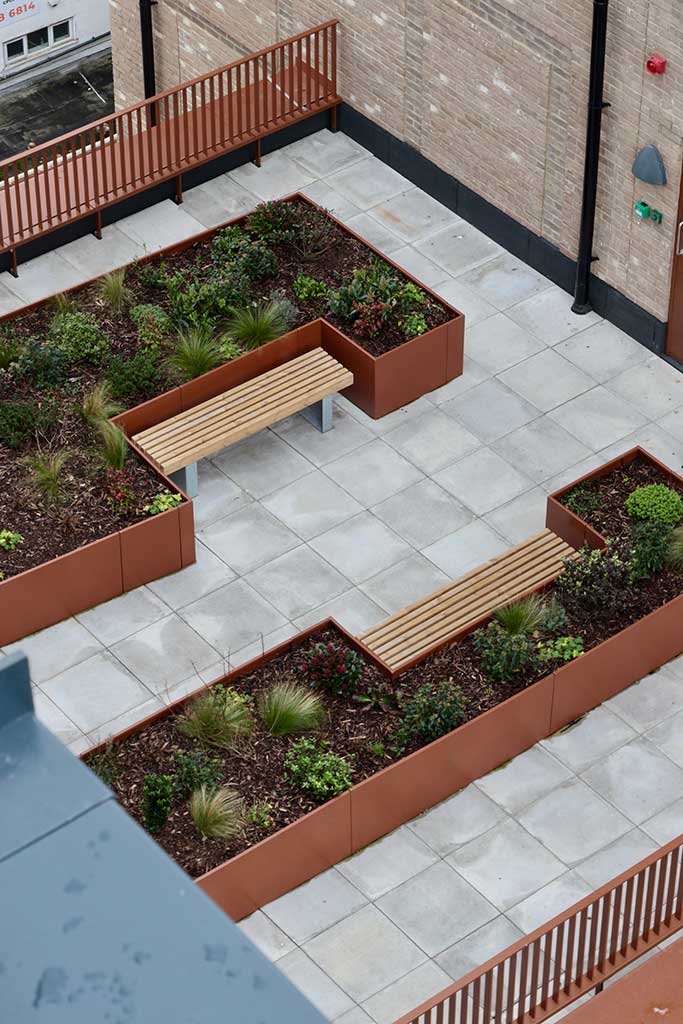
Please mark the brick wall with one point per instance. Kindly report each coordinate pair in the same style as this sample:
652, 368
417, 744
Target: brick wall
493, 91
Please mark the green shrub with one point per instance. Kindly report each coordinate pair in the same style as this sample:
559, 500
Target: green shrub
504, 656
315, 236
10, 351
79, 338
98, 404
649, 542
229, 349
112, 290
193, 770
196, 350
153, 324
582, 500
308, 289
135, 378
562, 648
375, 292
554, 617
10, 541
63, 303
413, 324
220, 717
217, 813
523, 616
256, 262
260, 815
254, 325
114, 447
276, 222
655, 501
428, 714
202, 303
47, 473
42, 365
18, 423
332, 666
674, 554
162, 502
157, 797
287, 708
593, 581
315, 769
105, 765
151, 275
228, 243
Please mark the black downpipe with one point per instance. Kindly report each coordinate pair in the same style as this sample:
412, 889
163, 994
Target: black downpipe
148, 69
596, 106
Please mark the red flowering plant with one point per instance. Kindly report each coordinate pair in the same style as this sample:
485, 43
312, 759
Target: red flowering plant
331, 666
371, 317
119, 489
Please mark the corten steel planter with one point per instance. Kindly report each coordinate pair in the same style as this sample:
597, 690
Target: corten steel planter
99, 571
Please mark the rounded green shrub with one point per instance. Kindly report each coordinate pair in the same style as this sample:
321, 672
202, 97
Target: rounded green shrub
79, 338
315, 769
655, 501
504, 655
157, 797
429, 714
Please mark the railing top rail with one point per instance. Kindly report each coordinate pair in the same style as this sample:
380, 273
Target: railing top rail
544, 929
36, 151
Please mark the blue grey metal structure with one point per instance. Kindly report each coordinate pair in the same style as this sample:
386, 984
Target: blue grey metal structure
97, 924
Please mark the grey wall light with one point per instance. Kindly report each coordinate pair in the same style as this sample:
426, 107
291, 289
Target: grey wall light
649, 166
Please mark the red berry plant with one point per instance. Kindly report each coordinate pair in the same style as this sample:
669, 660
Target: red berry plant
331, 666
119, 489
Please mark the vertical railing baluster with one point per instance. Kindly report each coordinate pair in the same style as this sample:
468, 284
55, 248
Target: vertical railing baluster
239, 98
333, 58
36, 179
545, 979
247, 95
65, 178
319, 81
512, 978
48, 175
9, 188
299, 77
637, 916
671, 888
616, 921
257, 96
649, 899
569, 955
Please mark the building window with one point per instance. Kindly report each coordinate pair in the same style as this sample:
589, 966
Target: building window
42, 39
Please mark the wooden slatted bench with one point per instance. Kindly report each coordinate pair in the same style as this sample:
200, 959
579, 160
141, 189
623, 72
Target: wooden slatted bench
304, 384
454, 609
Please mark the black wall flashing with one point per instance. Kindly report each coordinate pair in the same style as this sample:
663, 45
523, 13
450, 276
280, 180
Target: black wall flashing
519, 240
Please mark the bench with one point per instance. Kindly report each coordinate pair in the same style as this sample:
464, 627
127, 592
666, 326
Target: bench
304, 384
456, 608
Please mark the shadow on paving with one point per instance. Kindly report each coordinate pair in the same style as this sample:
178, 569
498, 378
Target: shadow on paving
56, 103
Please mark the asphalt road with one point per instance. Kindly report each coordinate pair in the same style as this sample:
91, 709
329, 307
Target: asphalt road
56, 103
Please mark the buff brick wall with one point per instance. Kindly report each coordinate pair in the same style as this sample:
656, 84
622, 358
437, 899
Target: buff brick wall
493, 91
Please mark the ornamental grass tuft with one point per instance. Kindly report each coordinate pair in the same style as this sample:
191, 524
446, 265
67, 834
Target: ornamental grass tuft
287, 708
217, 813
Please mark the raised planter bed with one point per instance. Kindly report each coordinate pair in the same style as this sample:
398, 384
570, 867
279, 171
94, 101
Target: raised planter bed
395, 794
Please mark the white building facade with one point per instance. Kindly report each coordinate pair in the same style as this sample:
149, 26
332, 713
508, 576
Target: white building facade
35, 34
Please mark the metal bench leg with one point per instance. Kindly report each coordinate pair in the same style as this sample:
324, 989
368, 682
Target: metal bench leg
320, 414
187, 480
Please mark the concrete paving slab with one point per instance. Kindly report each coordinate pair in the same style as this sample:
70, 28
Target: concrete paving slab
549, 315
436, 908
346, 435
261, 646
364, 953
312, 505
541, 449
418, 266
497, 343
668, 737
315, 906
262, 463
654, 780
160, 225
582, 744
466, 548
277, 176
55, 649
182, 588
491, 410
483, 481
332, 201
549, 901
372, 473
124, 615
547, 380
375, 233
478, 947
407, 581
524, 780
218, 201
433, 440
457, 820
665, 825
95, 690
506, 865
597, 418
455, 292
653, 387
603, 351
297, 581
573, 822
131, 716
652, 700
423, 513
54, 718
164, 653
521, 517
353, 610
414, 215
459, 248
619, 856
314, 983
248, 538
218, 495
388, 863
326, 152
43, 276
9, 300
506, 280
361, 547
355, 1016
368, 182
405, 994
93, 256
471, 375
232, 617
265, 934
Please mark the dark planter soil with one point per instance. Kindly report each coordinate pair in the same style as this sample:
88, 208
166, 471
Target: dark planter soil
258, 773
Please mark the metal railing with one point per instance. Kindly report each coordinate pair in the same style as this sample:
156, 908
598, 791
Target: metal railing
572, 954
100, 164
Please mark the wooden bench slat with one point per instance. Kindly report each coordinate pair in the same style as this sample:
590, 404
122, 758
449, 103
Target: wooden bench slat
454, 608
244, 410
